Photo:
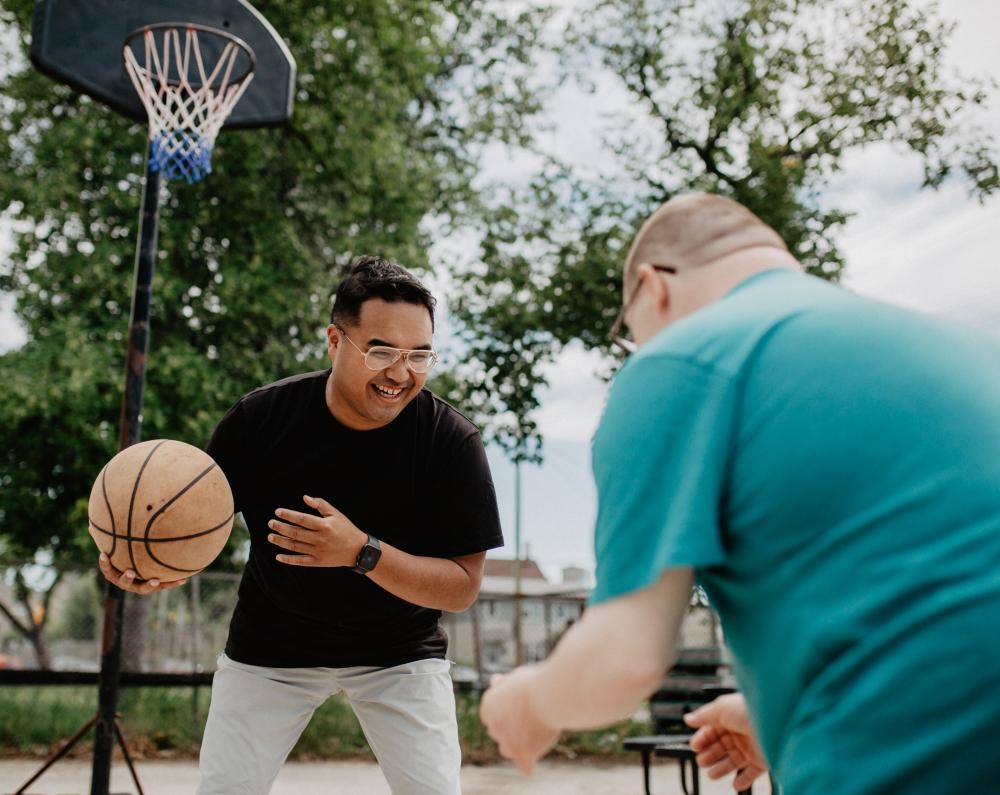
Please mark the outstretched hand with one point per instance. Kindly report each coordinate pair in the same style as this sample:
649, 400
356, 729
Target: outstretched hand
126, 580
330, 539
510, 717
725, 740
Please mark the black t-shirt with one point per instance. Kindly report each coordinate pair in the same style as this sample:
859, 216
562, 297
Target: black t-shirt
420, 483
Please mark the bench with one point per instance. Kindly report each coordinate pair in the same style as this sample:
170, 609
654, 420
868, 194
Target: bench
698, 676
671, 746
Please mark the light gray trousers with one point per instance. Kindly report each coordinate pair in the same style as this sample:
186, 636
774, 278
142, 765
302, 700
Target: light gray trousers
407, 713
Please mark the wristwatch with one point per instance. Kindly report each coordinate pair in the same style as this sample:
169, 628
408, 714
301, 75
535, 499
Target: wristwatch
369, 556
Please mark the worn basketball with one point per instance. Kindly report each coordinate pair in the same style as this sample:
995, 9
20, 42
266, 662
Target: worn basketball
161, 508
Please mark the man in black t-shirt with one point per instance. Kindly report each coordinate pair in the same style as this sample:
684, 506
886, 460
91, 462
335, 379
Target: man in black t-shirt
370, 507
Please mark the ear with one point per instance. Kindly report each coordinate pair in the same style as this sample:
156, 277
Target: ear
657, 288
332, 339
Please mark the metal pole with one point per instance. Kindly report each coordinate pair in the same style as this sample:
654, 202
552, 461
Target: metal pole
477, 642
195, 648
131, 423
518, 641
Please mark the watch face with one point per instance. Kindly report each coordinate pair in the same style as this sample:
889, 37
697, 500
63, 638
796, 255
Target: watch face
369, 557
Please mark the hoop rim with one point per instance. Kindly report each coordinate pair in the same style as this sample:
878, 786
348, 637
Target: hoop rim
222, 34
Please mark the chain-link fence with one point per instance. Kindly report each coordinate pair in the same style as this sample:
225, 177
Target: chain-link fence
51, 617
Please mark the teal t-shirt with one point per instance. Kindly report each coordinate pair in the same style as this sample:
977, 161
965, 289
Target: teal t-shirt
830, 467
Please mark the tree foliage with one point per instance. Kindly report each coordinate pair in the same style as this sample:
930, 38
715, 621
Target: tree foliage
758, 100
394, 104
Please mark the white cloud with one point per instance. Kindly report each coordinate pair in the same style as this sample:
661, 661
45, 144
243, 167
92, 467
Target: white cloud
573, 402
930, 250
11, 333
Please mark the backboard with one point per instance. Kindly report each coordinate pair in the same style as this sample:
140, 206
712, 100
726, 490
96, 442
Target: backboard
79, 42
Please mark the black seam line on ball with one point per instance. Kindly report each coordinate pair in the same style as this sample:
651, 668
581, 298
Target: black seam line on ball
131, 505
111, 513
166, 540
159, 512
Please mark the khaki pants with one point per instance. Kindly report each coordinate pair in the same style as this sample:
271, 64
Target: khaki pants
407, 713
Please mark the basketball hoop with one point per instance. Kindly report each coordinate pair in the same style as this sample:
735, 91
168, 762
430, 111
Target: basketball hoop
186, 102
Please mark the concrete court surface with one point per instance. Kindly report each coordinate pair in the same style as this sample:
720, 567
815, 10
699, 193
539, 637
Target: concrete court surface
72, 777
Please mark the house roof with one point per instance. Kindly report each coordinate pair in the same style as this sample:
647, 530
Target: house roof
504, 587
502, 567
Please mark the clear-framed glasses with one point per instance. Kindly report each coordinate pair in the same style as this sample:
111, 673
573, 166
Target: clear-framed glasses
378, 357
617, 334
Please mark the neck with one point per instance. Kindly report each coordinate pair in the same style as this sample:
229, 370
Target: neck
340, 413
713, 280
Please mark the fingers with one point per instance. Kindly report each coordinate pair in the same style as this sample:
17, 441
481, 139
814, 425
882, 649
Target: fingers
703, 738
110, 572
526, 764
123, 579
705, 715
321, 505
720, 759
524, 753
720, 752
723, 768
747, 776
126, 580
708, 756
728, 711
290, 535
296, 560
289, 539
303, 520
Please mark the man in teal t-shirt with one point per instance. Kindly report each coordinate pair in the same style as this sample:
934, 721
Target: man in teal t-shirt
828, 467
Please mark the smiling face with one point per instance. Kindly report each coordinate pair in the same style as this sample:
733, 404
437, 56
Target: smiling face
365, 399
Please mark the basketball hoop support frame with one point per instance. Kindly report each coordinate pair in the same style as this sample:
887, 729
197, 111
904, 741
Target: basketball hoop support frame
130, 427
105, 722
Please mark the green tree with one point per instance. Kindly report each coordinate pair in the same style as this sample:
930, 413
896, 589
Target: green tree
758, 100
394, 103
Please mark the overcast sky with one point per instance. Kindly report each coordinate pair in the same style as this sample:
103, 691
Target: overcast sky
935, 251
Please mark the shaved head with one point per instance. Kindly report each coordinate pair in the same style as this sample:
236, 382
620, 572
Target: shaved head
695, 229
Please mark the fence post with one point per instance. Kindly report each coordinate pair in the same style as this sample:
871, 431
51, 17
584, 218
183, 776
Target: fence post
195, 649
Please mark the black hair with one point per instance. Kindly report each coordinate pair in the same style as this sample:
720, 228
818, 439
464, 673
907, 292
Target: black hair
376, 277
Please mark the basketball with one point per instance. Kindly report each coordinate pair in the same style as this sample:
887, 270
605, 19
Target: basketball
161, 508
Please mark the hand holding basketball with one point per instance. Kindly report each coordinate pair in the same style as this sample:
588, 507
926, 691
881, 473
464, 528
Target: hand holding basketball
160, 511
127, 582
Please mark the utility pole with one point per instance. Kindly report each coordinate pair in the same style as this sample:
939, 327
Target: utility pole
518, 641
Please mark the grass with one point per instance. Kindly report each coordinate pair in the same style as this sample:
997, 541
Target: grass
169, 721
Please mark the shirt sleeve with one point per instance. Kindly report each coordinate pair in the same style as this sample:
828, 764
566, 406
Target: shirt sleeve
468, 518
226, 449
660, 457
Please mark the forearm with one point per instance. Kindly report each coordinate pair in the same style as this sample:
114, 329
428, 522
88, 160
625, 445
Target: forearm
437, 583
613, 658
589, 681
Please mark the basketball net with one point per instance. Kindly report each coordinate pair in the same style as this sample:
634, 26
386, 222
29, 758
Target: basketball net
186, 103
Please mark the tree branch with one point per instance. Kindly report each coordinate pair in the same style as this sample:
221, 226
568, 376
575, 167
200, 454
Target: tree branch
674, 138
48, 596
14, 620
23, 595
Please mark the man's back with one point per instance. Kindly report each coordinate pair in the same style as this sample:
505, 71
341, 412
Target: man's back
856, 509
